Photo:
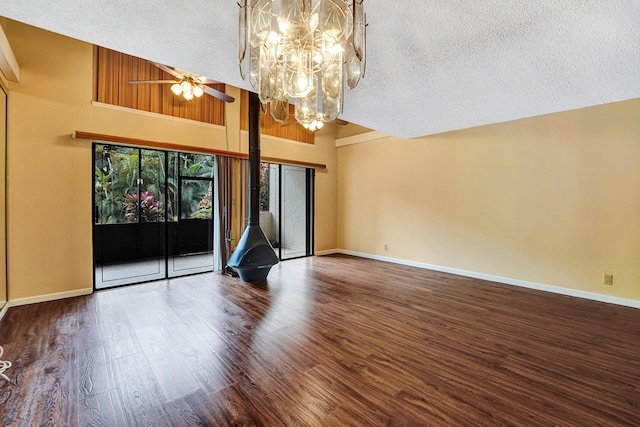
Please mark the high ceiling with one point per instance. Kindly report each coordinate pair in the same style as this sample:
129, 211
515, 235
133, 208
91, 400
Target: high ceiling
432, 66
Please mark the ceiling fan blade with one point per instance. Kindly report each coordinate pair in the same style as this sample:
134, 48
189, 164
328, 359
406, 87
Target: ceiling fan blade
152, 81
207, 81
217, 94
169, 70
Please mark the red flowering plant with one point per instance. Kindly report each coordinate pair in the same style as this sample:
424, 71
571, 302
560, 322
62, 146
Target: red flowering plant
150, 209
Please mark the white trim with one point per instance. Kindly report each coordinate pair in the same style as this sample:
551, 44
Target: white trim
49, 297
4, 84
4, 310
327, 252
8, 64
360, 138
155, 115
506, 280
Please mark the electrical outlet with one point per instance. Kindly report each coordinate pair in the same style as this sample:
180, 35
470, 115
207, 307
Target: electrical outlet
607, 279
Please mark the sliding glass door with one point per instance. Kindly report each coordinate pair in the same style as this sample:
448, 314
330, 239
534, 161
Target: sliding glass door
286, 209
129, 225
152, 215
191, 227
295, 212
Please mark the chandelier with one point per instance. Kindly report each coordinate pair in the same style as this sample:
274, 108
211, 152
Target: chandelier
302, 49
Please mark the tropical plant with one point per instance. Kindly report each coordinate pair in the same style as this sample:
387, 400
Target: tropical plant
264, 187
121, 171
204, 206
150, 209
116, 174
194, 191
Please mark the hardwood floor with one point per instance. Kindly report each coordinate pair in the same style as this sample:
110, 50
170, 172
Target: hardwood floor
330, 341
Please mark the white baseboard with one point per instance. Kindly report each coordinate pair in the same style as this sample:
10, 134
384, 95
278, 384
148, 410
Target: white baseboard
49, 297
327, 252
4, 310
506, 280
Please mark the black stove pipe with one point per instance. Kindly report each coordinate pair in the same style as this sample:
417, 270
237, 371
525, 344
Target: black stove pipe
254, 256
254, 160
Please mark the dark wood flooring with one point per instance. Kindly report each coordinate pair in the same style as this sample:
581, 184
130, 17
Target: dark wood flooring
329, 341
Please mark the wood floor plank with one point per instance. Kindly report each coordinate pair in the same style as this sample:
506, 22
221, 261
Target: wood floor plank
140, 391
103, 409
173, 376
333, 340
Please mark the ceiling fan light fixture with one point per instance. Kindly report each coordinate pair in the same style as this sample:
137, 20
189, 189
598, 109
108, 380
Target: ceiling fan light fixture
305, 50
186, 86
176, 88
198, 91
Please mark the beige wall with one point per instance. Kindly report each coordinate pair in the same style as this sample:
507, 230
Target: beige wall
50, 176
552, 199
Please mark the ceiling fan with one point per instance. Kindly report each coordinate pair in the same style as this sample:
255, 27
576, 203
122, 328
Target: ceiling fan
188, 85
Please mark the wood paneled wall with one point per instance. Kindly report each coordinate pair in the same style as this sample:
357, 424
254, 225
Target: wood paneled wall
293, 130
114, 70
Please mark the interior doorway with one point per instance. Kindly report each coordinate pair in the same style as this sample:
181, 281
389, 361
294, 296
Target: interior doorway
152, 214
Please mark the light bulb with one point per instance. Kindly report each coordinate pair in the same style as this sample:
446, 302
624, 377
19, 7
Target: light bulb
186, 86
187, 91
175, 88
313, 22
273, 39
198, 91
284, 25
302, 82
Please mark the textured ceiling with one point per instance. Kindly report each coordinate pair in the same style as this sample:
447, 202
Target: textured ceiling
432, 66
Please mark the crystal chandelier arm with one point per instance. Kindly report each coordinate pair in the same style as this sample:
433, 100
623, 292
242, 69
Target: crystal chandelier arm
242, 32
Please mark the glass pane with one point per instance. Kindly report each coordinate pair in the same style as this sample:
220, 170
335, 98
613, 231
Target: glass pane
190, 235
196, 198
333, 20
152, 187
260, 18
171, 213
116, 181
294, 212
196, 165
332, 73
129, 233
269, 202
242, 33
352, 66
294, 15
